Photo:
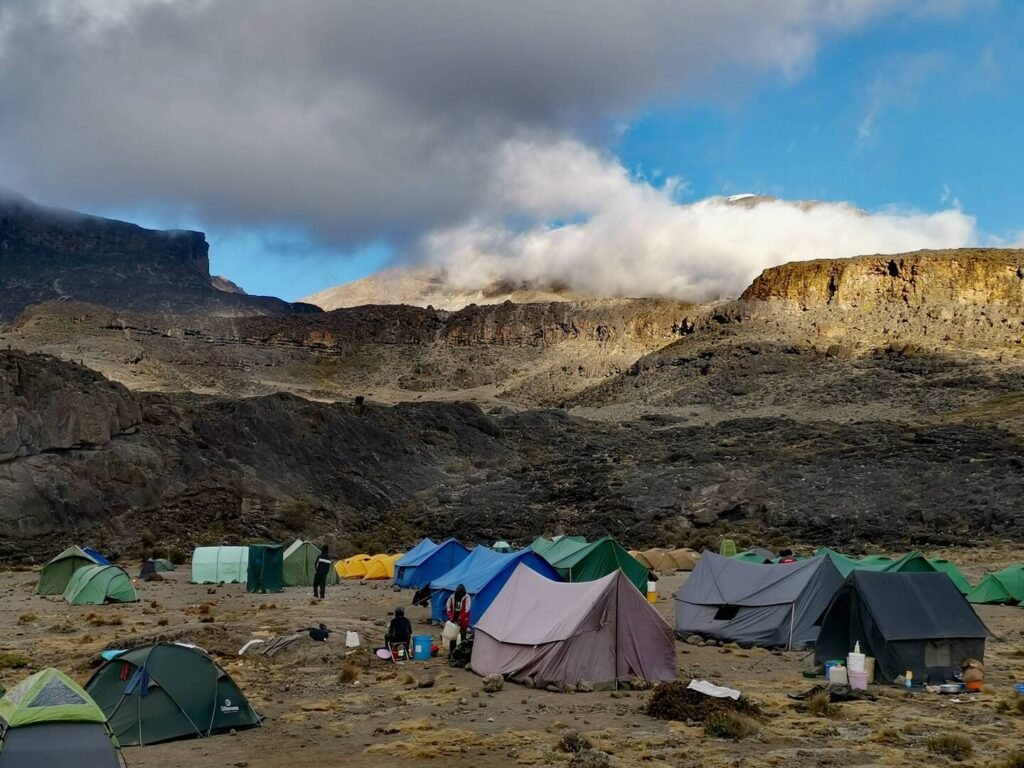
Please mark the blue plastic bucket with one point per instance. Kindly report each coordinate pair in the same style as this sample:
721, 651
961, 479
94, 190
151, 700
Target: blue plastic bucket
1019, 689
421, 647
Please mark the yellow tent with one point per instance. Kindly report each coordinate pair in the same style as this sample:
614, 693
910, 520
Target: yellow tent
680, 560
380, 567
353, 567
653, 558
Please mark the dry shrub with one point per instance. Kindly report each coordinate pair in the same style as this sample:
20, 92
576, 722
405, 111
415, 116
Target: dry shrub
87, 639
1014, 706
727, 725
888, 736
409, 679
13, 660
572, 742
674, 701
820, 705
64, 628
205, 609
154, 604
162, 622
348, 674
96, 620
27, 618
1012, 760
954, 745
206, 619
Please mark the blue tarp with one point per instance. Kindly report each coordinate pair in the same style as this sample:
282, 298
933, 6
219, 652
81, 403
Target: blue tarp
483, 574
426, 565
96, 556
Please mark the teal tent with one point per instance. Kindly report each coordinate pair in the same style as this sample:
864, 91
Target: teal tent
266, 568
598, 559
1005, 587
220, 565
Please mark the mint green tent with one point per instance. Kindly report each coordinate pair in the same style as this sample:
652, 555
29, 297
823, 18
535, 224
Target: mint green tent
56, 574
598, 559
912, 562
954, 573
727, 548
561, 548
1005, 587
220, 565
757, 555
99, 584
541, 545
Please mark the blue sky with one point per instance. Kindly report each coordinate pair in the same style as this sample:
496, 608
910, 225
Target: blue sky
504, 149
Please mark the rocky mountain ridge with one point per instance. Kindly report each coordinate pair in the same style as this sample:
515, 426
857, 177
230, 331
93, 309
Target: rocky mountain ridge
48, 254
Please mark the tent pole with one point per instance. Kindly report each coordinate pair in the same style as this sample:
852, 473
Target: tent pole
792, 616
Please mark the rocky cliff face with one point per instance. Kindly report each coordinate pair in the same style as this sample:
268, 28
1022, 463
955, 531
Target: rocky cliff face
48, 254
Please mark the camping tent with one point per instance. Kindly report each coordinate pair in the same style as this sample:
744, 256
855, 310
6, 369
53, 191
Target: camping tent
774, 606
559, 548
99, 584
501, 546
727, 548
1005, 586
47, 720
155, 566
56, 574
355, 566
651, 558
915, 621
95, 555
381, 567
265, 571
418, 570
950, 569
300, 565
599, 559
912, 562
168, 691
220, 565
680, 560
483, 574
758, 555
602, 631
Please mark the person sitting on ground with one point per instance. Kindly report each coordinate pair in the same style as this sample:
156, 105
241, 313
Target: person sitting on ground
786, 556
399, 630
422, 596
458, 608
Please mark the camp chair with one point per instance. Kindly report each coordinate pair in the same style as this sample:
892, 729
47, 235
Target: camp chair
399, 652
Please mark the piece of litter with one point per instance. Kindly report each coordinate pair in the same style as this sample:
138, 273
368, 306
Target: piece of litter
715, 691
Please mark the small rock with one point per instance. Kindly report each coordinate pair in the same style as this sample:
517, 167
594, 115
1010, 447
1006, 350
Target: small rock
695, 640
553, 688
364, 618
379, 622
529, 683
585, 686
710, 642
396, 589
232, 732
493, 683
463, 701
490, 719
426, 682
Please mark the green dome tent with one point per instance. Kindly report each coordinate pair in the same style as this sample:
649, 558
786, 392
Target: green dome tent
168, 691
300, 565
1002, 587
501, 546
155, 566
99, 584
56, 574
599, 559
48, 720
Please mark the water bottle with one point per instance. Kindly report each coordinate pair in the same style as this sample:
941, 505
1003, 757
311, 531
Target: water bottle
909, 679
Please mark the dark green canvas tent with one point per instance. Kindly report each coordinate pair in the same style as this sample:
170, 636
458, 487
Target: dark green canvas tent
560, 548
912, 562
56, 574
266, 568
48, 721
168, 691
300, 565
1005, 587
155, 566
99, 584
598, 559
954, 573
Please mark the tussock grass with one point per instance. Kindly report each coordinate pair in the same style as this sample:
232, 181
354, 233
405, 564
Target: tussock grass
348, 674
726, 725
27, 618
820, 705
954, 745
14, 661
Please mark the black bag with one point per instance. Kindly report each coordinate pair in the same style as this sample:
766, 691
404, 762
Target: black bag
460, 656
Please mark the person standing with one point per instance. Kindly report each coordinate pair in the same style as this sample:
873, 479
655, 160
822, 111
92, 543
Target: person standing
322, 569
458, 607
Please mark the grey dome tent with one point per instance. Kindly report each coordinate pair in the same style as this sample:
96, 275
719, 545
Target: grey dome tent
47, 721
773, 606
915, 621
168, 691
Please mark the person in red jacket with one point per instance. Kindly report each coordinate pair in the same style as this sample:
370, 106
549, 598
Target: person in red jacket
458, 607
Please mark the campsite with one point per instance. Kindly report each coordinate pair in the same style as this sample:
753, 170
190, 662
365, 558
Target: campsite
325, 703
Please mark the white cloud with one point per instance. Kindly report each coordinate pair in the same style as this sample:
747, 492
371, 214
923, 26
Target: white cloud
636, 240
896, 86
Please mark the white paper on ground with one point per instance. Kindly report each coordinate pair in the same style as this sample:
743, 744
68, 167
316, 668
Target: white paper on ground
710, 689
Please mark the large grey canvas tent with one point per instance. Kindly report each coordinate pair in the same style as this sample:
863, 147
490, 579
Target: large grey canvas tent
915, 621
603, 631
773, 606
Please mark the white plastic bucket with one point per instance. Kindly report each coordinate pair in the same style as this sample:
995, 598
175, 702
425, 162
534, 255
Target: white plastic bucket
855, 662
858, 680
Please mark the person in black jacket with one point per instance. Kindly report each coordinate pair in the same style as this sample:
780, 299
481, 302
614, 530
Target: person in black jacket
399, 630
323, 567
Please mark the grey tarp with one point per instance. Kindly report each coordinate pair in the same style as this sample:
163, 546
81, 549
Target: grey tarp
774, 606
915, 621
51, 745
601, 631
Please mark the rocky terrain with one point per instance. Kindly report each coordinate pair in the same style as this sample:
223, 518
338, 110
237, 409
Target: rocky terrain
873, 399
48, 254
